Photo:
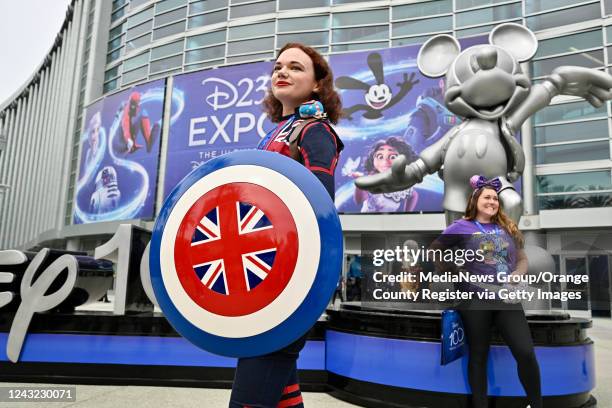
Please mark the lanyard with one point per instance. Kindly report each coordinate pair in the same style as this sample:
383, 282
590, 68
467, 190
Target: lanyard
495, 231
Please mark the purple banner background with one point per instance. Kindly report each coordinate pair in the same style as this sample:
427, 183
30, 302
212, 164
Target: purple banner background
415, 120
218, 111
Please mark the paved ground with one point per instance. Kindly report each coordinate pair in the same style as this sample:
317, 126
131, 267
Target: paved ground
89, 396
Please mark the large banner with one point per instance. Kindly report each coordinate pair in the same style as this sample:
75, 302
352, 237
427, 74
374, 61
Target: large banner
119, 156
221, 112
390, 109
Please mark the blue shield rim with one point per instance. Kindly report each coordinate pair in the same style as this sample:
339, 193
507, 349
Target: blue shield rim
317, 299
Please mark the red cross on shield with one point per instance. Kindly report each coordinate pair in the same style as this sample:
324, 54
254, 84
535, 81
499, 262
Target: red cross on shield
232, 248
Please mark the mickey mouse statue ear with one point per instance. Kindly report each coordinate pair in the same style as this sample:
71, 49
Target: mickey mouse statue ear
437, 55
516, 39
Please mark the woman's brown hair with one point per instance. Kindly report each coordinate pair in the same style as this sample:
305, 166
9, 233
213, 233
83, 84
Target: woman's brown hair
500, 218
323, 76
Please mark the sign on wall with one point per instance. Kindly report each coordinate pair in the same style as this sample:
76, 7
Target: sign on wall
389, 108
119, 156
222, 113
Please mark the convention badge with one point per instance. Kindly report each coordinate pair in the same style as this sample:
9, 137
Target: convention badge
245, 253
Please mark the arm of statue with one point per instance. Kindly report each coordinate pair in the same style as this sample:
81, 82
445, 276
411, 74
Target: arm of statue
403, 175
590, 84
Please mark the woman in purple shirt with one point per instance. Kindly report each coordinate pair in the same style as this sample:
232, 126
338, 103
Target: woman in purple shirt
485, 226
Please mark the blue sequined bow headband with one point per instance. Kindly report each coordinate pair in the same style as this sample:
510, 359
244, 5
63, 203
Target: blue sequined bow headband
477, 182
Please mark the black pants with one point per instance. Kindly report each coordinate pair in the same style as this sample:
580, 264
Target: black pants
512, 324
268, 381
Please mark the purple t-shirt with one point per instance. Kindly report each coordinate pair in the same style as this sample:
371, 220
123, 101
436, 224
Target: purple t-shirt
499, 248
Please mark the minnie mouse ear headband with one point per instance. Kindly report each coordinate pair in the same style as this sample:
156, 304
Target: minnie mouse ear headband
477, 182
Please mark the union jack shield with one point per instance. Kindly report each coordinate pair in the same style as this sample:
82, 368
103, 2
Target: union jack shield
246, 253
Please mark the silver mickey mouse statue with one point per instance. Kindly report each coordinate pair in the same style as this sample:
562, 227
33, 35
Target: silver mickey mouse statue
486, 86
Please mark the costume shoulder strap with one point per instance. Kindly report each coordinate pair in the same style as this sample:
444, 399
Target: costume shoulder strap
296, 133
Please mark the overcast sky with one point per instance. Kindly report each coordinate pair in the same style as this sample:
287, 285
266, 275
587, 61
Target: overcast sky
27, 31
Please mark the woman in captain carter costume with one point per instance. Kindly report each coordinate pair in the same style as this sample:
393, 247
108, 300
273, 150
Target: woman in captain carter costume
303, 102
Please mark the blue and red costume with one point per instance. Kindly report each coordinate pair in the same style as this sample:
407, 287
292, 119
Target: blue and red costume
271, 380
134, 119
319, 147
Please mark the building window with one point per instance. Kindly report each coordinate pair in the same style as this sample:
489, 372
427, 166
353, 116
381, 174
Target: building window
569, 43
167, 50
140, 17
536, 6
430, 8
412, 40
138, 42
166, 64
576, 200
357, 47
465, 4
574, 190
112, 73
588, 59
299, 4
312, 39
203, 54
583, 49
206, 5
202, 65
136, 61
135, 3
169, 30
248, 46
250, 57
568, 112
302, 24
209, 46
139, 30
586, 180
419, 27
564, 17
113, 56
203, 40
170, 17
573, 152
369, 26
375, 33
251, 30
252, 9
207, 19
165, 5
488, 15
355, 18
567, 132
120, 29
111, 85
135, 75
